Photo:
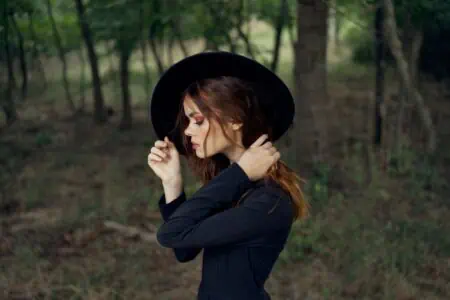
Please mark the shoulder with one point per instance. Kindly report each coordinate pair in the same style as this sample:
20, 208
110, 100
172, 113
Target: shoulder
271, 188
269, 195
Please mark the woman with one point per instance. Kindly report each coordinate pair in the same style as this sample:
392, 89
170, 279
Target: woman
223, 111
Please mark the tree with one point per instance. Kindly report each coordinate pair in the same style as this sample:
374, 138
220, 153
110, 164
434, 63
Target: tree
99, 107
405, 74
61, 54
311, 78
8, 105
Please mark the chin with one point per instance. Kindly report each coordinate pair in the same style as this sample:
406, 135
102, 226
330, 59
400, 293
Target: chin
201, 155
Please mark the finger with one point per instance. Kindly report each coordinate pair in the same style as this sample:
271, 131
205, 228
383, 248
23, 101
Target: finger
273, 150
259, 141
154, 157
267, 145
170, 144
158, 152
277, 156
161, 144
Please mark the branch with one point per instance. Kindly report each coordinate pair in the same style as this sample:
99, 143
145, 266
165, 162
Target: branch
130, 231
405, 75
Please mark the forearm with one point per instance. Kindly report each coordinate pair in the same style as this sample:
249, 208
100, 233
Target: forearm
172, 188
176, 198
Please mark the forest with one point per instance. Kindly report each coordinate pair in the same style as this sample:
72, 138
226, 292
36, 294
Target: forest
78, 202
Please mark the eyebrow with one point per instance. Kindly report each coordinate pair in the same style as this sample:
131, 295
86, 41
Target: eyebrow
193, 113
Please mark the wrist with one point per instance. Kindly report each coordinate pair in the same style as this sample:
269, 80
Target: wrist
243, 168
173, 181
173, 188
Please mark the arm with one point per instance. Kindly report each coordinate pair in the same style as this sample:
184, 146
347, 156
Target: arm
195, 225
167, 209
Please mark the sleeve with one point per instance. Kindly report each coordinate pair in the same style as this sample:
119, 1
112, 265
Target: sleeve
167, 209
194, 224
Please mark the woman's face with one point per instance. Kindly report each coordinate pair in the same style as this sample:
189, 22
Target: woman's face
215, 141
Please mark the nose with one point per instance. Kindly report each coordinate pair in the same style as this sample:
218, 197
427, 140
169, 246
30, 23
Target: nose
187, 131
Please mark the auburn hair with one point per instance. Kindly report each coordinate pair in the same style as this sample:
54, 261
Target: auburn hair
232, 99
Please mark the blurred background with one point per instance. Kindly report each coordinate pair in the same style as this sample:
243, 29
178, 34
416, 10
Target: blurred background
78, 203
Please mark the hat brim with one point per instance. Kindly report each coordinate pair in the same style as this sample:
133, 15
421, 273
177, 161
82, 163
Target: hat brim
277, 103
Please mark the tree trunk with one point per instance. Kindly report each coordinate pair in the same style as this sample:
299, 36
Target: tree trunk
99, 102
405, 76
82, 79
337, 20
311, 78
22, 59
62, 56
143, 48
412, 43
126, 121
379, 77
8, 106
154, 49
242, 35
35, 53
170, 47
156, 28
177, 31
278, 34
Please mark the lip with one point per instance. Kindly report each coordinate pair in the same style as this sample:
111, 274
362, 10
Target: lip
195, 146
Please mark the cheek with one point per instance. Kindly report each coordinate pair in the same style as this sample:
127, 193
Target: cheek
204, 131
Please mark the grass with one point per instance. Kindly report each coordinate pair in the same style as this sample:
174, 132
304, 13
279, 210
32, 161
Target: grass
388, 240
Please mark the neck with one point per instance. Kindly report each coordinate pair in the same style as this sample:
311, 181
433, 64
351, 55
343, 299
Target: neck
234, 154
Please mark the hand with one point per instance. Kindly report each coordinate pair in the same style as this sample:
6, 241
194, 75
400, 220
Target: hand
258, 158
164, 160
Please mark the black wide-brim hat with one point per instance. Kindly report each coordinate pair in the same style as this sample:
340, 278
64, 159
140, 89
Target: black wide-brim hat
277, 103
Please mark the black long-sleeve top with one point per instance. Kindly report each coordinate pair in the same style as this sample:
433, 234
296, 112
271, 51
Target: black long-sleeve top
240, 244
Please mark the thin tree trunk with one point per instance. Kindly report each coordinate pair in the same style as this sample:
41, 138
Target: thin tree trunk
414, 55
154, 49
177, 31
126, 121
404, 69
8, 106
412, 45
336, 17
82, 79
143, 47
156, 28
62, 56
291, 30
22, 59
99, 102
242, 35
380, 70
35, 54
231, 42
148, 80
170, 46
278, 34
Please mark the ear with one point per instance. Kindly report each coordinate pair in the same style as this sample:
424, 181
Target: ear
236, 126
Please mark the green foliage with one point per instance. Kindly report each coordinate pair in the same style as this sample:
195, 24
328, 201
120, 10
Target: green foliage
43, 139
269, 11
117, 21
306, 239
420, 168
317, 186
